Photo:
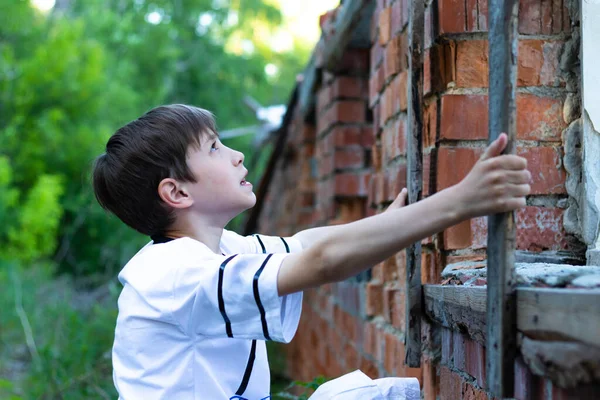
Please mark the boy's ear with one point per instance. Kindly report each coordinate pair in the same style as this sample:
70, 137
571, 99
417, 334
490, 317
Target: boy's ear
174, 193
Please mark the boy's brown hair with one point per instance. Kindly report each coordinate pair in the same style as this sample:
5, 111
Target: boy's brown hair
140, 155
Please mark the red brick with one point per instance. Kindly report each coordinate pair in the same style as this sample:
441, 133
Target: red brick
369, 368
349, 87
547, 170
385, 21
374, 88
458, 350
426, 173
540, 228
395, 181
389, 293
396, 18
427, 84
472, 15
397, 311
431, 381
475, 362
352, 136
464, 117
349, 157
324, 98
471, 66
354, 61
469, 392
396, 54
374, 298
405, 11
483, 15
377, 52
400, 92
458, 236
447, 344
525, 382
450, 385
352, 184
452, 16
530, 16
538, 62
376, 156
390, 361
454, 163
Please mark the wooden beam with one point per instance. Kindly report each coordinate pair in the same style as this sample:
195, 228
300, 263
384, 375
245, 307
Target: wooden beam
566, 364
351, 15
459, 308
560, 314
542, 314
416, 43
501, 338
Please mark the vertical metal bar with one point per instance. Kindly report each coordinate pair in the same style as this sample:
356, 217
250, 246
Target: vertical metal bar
416, 29
501, 311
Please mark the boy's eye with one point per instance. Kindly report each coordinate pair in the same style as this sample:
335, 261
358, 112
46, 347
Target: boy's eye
214, 147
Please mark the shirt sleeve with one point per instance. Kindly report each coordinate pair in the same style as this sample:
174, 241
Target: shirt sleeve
233, 243
235, 296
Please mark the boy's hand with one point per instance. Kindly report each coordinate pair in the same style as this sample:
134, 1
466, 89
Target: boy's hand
497, 183
399, 201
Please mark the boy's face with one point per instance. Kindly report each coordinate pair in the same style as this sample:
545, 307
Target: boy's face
220, 188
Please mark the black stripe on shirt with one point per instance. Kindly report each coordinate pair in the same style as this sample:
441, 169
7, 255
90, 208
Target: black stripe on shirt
220, 297
287, 248
261, 244
248, 371
261, 309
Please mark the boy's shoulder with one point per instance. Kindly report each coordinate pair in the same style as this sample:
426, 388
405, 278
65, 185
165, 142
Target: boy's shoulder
159, 261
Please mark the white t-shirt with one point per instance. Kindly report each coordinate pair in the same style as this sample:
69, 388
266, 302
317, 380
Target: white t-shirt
192, 324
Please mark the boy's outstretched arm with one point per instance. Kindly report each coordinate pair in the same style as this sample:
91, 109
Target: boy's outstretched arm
497, 183
309, 237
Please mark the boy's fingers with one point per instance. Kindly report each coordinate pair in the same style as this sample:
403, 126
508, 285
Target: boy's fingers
509, 162
518, 177
496, 147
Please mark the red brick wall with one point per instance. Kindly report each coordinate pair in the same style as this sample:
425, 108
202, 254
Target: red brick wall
351, 163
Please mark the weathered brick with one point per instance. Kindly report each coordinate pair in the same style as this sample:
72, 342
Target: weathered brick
396, 17
465, 117
374, 298
454, 163
540, 228
538, 62
469, 392
546, 167
472, 63
452, 16
385, 21
431, 382
349, 87
475, 362
352, 184
349, 157
450, 385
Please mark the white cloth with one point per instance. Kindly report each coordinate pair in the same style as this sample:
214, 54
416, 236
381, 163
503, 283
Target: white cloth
192, 324
358, 386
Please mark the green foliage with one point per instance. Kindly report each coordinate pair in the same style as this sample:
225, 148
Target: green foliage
61, 351
304, 389
70, 79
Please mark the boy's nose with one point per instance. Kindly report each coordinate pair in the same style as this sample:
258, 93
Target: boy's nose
238, 158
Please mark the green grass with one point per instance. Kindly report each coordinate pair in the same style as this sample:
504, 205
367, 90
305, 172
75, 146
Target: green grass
55, 342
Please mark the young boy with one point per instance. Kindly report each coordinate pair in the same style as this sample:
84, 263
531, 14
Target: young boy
199, 302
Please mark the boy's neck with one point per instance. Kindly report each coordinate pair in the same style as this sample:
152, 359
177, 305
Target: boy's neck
206, 233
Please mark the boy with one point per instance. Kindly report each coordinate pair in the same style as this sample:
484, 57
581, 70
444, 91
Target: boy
198, 301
